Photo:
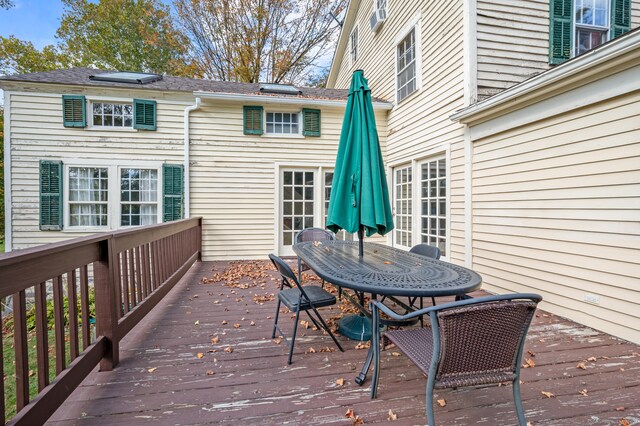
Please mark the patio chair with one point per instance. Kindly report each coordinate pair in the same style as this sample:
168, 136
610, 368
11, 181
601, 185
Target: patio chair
471, 342
311, 234
298, 298
431, 252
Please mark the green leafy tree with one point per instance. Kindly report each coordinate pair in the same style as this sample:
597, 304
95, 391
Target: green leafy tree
135, 35
6, 4
18, 56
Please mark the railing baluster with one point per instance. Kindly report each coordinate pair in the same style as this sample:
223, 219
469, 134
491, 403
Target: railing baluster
117, 282
139, 285
72, 296
130, 297
124, 280
156, 265
20, 349
84, 305
146, 276
58, 318
42, 335
3, 418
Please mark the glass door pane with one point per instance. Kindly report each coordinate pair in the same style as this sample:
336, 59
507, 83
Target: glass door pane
403, 207
328, 180
298, 189
433, 202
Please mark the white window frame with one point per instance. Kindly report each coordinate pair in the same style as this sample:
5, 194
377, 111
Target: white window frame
414, 24
575, 26
298, 135
353, 46
318, 199
114, 205
106, 100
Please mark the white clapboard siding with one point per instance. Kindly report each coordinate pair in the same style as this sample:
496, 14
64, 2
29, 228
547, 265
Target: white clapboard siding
37, 134
556, 210
513, 41
419, 127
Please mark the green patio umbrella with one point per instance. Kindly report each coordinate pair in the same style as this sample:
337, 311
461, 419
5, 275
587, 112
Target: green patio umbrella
359, 195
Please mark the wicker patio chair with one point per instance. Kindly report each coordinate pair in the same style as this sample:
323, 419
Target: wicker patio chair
311, 234
298, 298
471, 342
431, 252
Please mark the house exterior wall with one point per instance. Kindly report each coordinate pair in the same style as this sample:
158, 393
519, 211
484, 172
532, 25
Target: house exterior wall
513, 41
419, 126
555, 210
234, 177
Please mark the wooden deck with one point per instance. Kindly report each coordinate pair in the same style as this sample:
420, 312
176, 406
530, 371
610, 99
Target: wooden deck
204, 355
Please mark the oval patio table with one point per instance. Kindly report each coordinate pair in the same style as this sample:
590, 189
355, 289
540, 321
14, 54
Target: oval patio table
384, 270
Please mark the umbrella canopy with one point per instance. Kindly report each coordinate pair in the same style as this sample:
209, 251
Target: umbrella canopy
359, 194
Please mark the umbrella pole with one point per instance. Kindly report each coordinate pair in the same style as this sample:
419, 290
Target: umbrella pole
361, 240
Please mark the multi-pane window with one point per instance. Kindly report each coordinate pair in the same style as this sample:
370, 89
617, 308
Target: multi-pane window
354, 45
403, 206
138, 197
112, 114
88, 196
282, 123
328, 181
297, 203
433, 200
406, 66
381, 5
591, 24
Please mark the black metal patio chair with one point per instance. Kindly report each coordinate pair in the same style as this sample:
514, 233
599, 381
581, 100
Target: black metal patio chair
431, 252
300, 298
311, 234
470, 342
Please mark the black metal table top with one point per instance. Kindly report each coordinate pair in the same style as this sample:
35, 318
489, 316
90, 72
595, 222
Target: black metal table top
385, 270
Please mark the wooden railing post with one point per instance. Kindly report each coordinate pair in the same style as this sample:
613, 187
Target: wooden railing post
105, 299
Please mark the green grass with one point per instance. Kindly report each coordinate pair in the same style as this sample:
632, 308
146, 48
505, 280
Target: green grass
2, 246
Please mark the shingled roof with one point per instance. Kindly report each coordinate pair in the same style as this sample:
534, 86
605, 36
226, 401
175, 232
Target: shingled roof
80, 77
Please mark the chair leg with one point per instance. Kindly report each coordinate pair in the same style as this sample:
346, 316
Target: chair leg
375, 346
293, 336
421, 316
518, 402
430, 417
328, 330
275, 323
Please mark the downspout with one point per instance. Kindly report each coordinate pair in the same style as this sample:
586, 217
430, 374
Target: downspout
187, 179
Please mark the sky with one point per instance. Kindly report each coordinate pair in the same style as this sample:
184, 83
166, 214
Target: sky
32, 20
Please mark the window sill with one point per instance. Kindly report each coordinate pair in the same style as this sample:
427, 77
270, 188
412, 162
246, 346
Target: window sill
407, 98
283, 136
110, 129
85, 229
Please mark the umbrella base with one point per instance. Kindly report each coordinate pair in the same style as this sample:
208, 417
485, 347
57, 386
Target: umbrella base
355, 327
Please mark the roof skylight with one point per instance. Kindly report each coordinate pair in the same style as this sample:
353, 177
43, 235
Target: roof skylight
284, 89
127, 77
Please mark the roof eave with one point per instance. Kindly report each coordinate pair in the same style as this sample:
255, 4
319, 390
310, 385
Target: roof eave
352, 11
550, 81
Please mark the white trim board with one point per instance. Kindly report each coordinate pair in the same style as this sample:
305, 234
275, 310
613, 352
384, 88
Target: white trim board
8, 240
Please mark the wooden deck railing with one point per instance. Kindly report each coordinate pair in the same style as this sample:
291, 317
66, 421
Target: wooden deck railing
126, 273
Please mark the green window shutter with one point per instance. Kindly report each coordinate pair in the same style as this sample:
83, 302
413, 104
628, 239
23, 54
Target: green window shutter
252, 118
74, 111
50, 195
311, 122
172, 190
620, 17
144, 114
560, 30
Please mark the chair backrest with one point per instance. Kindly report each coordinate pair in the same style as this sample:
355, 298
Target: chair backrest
426, 250
314, 234
481, 343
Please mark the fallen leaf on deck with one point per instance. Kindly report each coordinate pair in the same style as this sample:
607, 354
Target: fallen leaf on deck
349, 414
529, 424
200, 355
277, 340
252, 323
581, 366
548, 394
392, 416
197, 322
236, 325
529, 363
304, 323
592, 359
583, 392
228, 349
215, 340
358, 421
224, 322
389, 346
395, 353
151, 370
624, 422
441, 402
619, 408
340, 382
210, 373
363, 345
386, 262
531, 354
310, 351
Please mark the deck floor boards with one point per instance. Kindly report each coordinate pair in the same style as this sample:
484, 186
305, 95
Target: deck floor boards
161, 379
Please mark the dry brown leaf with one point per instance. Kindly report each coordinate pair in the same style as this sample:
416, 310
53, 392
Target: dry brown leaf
236, 325
228, 349
386, 262
277, 340
252, 323
224, 322
441, 402
392, 416
624, 422
619, 408
583, 392
531, 354
304, 323
151, 370
349, 414
592, 359
210, 373
200, 355
581, 366
529, 363
363, 345
340, 381
197, 322
310, 351
358, 421
395, 353
548, 394
215, 340
529, 424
